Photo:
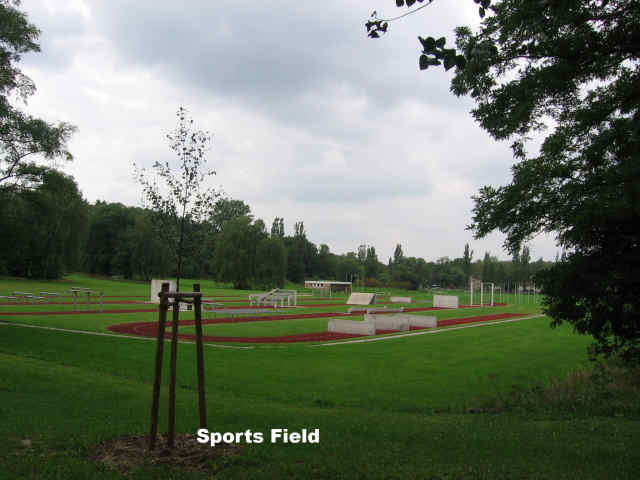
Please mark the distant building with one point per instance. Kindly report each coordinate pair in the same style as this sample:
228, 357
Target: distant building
328, 286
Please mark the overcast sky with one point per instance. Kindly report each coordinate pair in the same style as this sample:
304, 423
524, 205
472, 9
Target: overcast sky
311, 120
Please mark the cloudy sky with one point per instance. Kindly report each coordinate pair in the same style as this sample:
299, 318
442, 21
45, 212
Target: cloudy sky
311, 120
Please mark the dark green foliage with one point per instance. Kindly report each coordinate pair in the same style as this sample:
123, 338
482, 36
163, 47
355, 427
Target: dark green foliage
277, 227
326, 264
302, 255
22, 135
575, 63
598, 293
42, 227
348, 267
123, 241
235, 256
109, 226
467, 257
397, 254
371, 263
226, 209
271, 263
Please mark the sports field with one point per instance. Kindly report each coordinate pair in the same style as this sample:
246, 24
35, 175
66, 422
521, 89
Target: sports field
431, 404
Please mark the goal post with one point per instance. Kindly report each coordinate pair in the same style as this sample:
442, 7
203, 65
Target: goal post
481, 293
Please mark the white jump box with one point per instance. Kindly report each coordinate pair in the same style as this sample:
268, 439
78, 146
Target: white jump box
422, 321
361, 298
445, 301
352, 327
156, 287
388, 322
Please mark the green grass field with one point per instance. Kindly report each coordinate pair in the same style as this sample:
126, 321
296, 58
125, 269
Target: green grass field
400, 408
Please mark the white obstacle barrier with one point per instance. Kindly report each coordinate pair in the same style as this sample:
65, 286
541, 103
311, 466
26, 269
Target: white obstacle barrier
361, 298
388, 322
445, 301
422, 321
351, 327
156, 286
385, 310
400, 299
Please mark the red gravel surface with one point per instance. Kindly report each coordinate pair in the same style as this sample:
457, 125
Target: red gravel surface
149, 329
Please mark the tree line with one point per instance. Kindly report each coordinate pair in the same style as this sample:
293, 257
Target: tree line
48, 229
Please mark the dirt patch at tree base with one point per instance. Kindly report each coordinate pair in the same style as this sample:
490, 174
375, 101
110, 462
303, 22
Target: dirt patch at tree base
125, 454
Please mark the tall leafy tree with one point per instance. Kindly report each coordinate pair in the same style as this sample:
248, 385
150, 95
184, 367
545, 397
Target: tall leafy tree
22, 135
271, 263
326, 263
362, 253
277, 228
225, 209
576, 63
42, 228
236, 254
183, 202
467, 258
371, 263
109, 224
398, 256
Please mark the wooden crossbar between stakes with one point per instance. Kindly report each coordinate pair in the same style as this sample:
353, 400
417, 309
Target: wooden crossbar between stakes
177, 297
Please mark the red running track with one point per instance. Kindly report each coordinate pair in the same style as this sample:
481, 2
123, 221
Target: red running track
147, 310
238, 319
149, 329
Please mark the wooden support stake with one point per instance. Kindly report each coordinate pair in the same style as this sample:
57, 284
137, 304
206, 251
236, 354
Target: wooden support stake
197, 300
172, 373
164, 306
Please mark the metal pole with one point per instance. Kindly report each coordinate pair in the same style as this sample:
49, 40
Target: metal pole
172, 373
163, 307
101, 296
197, 304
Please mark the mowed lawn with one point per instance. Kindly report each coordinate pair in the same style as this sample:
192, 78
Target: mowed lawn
400, 408
391, 409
